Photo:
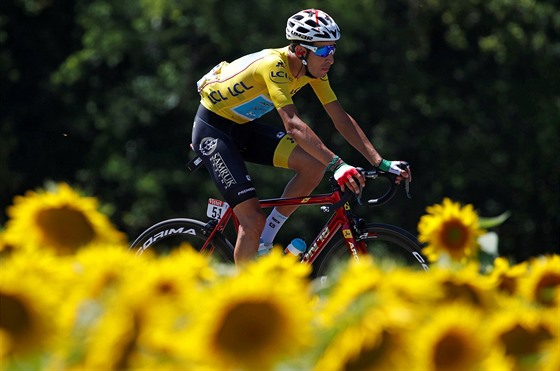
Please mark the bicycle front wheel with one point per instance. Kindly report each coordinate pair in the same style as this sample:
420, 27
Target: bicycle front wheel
385, 243
170, 234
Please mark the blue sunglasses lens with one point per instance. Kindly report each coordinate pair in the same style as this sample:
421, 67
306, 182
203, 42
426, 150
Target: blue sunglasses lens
325, 51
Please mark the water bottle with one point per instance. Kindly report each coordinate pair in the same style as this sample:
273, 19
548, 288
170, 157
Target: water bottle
296, 247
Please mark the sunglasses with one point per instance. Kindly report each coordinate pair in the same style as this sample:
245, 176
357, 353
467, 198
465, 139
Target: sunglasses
321, 51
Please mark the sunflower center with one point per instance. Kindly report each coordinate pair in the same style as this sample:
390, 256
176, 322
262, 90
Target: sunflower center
65, 227
454, 234
508, 285
15, 318
452, 352
166, 288
249, 328
519, 341
546, 288
461, 291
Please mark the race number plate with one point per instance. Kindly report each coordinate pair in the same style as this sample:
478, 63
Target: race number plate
216, 208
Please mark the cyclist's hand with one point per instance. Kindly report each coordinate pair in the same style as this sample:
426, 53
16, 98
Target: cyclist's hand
399, 168
347, 175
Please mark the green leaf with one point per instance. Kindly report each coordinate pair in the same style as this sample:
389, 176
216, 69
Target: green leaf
492, 222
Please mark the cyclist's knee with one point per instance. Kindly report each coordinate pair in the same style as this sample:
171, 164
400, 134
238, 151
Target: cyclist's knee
313, 172
306, 165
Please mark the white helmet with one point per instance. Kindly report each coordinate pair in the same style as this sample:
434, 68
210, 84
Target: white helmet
312, 25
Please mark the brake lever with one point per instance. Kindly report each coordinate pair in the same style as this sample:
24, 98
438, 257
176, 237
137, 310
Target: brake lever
405, 166
407, 188
359, 197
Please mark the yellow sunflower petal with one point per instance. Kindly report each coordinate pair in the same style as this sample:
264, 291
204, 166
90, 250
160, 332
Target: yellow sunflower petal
541, 285
252, 320
453, 339
27, 307
58, 219
522, 332
450, 229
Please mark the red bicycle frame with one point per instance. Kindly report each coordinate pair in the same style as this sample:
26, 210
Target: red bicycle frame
341, 219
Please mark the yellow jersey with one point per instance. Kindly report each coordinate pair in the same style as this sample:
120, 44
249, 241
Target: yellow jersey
253, 85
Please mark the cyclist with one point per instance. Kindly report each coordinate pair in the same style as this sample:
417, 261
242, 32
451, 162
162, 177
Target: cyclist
228, 129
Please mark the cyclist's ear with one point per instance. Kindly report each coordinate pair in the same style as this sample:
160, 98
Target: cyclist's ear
299, 50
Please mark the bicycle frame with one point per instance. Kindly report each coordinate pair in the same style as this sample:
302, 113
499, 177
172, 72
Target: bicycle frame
359, 237
340, 219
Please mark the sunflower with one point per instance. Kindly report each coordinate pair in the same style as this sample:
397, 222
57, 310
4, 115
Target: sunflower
353, 281
362, 319
522, 333
541, 285
414, 287
549, 359
5, 248
164, 292
128, 311
105, 267
112, 343
164, 297
366, 345
276, 265
466, 285
252, 321
507, 277
194, 265
369, 335
101, 270
41, 268
161, 280
26, 306
32, 284
450, 230
59, 219
452, 338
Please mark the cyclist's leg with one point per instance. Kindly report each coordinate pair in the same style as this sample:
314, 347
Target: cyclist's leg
280, 150
309, 173
216, 141
251, 224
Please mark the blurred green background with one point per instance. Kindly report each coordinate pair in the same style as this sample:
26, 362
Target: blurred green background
102, 94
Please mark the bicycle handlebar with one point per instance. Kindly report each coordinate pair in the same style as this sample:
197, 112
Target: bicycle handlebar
372, 173
389, 194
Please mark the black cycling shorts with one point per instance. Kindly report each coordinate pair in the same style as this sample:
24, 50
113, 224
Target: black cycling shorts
224, 146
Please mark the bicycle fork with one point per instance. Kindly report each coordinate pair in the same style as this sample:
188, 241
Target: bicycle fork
349, 231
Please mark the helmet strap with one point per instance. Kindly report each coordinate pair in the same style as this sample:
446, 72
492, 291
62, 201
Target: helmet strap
303, 58
304, 62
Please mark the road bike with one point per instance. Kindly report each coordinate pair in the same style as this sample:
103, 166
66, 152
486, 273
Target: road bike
345, 234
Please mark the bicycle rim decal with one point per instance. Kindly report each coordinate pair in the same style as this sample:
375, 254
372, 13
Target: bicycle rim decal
167, 233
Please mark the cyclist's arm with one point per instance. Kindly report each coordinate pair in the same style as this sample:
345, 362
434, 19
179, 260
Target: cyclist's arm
351, 131
304, 135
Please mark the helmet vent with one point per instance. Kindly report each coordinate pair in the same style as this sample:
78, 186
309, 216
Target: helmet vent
312, 25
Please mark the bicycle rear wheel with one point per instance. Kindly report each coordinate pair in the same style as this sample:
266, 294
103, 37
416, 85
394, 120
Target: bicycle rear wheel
172, 233
386, 243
